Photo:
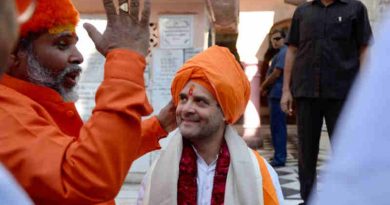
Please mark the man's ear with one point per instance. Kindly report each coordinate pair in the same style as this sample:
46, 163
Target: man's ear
18, 57
12, 61
17, 62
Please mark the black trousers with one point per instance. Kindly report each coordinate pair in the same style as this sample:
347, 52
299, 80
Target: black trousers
310, 113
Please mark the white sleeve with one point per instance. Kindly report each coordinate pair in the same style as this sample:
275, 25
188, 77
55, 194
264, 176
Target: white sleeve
275, 181
141, 192
10, 191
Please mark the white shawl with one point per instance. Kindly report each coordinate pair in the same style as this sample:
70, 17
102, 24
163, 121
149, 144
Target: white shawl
243, 183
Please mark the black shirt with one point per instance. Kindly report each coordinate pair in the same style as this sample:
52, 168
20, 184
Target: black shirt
328, 41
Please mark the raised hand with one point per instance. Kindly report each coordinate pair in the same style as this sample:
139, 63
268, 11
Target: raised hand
124, 29
167, 117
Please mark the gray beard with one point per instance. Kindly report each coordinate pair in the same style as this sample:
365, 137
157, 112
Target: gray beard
40, 75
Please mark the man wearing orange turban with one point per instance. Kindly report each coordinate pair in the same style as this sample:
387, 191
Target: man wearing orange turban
52, 154
206, 161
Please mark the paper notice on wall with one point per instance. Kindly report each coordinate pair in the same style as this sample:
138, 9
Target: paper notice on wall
165, 63
86, 101
191, 52
93, 66
176, 31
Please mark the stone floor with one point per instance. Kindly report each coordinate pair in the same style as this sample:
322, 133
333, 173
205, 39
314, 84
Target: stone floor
288, 175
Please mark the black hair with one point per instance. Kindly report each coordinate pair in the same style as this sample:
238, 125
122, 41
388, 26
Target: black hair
281, 32
26, 42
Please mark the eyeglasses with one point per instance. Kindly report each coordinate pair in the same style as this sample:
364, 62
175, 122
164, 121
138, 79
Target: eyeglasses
277, 38
27, 13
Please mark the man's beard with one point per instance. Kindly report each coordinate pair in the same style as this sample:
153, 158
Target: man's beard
40, 75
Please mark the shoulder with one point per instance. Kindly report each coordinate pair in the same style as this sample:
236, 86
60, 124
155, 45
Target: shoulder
281, 54
18, 111
300, 11
13, 101
304, 6
262, 164
356, 5
282, 51
257, 158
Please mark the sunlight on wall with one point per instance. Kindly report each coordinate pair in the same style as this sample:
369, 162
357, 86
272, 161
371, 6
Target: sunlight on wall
253, 29
92, 66
252, 111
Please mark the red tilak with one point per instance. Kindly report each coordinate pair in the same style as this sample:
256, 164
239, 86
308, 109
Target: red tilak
191, 91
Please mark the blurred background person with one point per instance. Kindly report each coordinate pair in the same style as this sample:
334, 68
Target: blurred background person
327, 41
272, 86
359, 172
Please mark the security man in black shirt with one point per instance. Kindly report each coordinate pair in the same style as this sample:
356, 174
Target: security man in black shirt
327, 42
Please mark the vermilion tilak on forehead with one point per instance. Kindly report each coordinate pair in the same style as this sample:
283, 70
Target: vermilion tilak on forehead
191, 90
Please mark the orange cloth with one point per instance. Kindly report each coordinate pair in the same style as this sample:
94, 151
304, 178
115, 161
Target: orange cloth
60, 160
22, 5
59, 15
269, 192
218, 67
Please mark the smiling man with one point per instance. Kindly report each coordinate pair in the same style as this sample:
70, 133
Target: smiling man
55, 156
206, 161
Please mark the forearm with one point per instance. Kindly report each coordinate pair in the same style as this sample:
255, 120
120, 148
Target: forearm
109, 141
152, 132
289, 62
270, 80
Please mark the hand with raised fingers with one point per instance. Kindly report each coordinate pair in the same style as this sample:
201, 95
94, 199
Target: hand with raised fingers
124, 29
167, 117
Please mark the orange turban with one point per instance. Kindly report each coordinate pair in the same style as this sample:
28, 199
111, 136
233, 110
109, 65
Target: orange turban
23, 5
217, 70
53, 16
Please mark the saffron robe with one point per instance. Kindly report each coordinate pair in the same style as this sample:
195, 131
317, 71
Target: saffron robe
59, 160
